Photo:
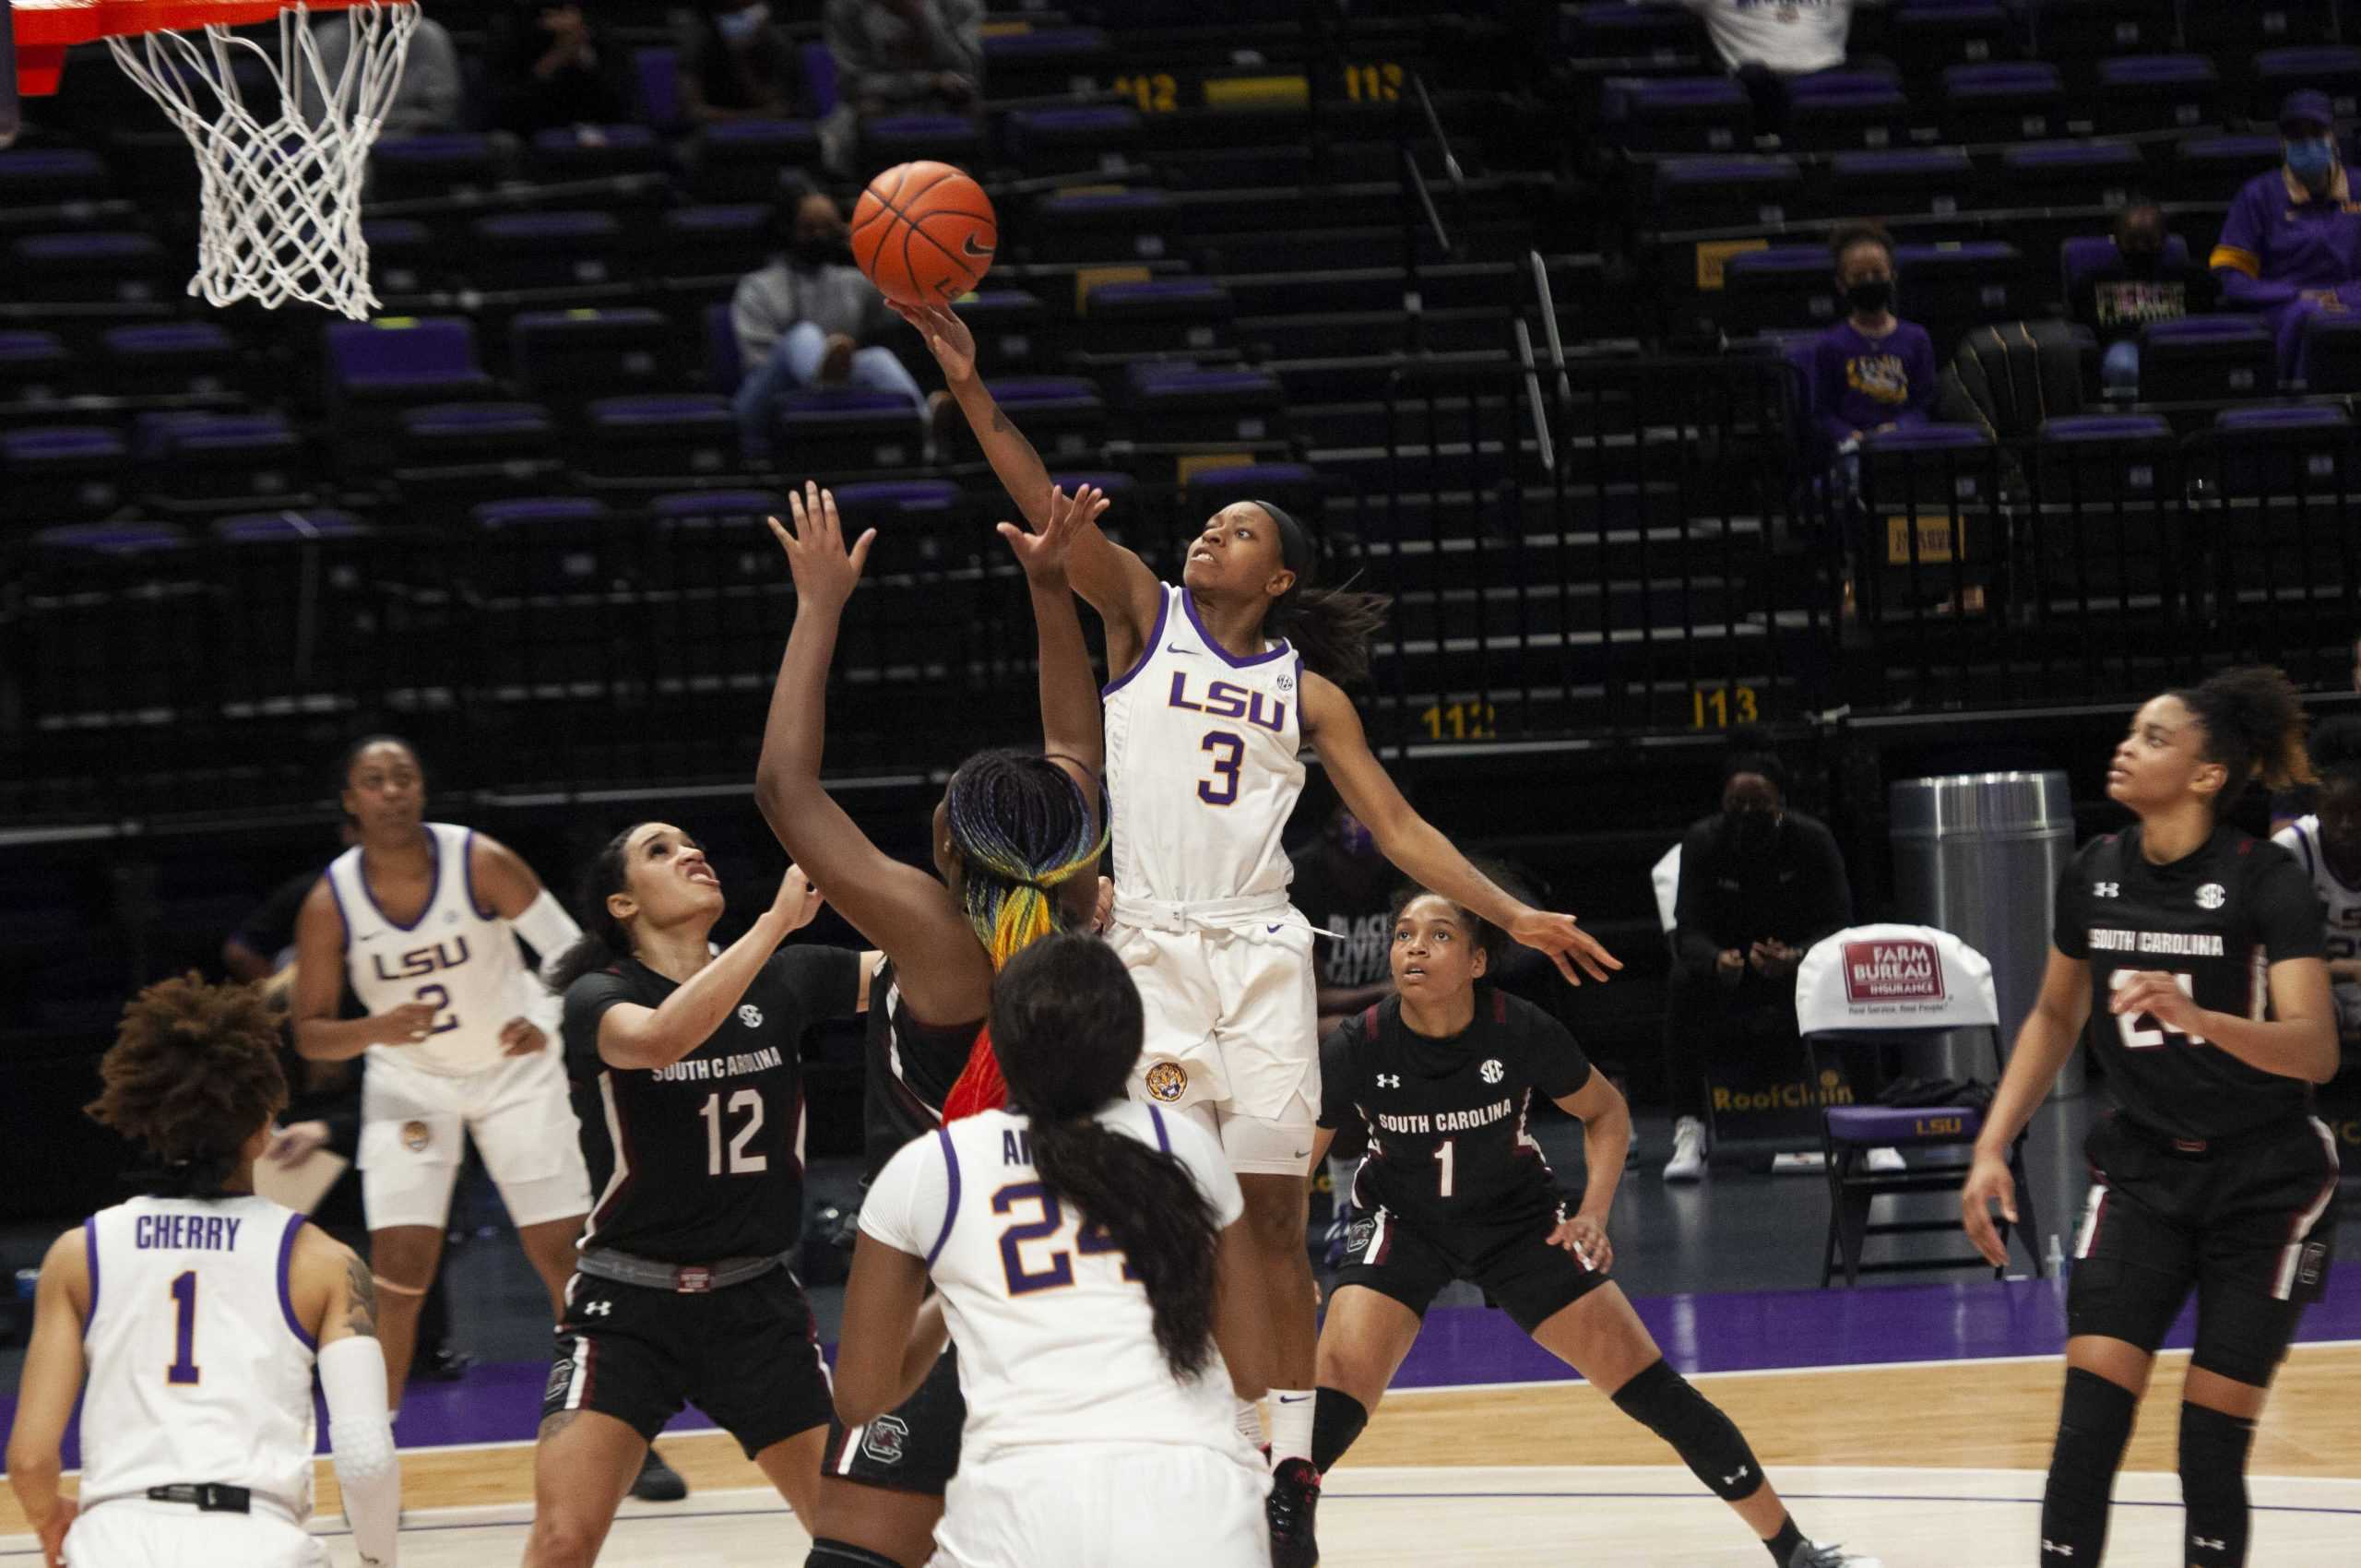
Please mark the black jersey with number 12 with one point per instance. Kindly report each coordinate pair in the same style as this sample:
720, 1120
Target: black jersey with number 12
1448, 1140
2216, 919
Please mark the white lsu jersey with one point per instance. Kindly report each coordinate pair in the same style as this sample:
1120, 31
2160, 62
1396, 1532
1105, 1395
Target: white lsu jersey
1204, 763
1055, 1344
455, 955
2341, 908
198, 1369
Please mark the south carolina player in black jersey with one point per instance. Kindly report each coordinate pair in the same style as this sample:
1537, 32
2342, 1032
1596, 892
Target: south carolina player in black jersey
1016, 841
2211, 1173
1454, 1187
682, 1291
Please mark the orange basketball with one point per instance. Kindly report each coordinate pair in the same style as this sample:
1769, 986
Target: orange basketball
923, 232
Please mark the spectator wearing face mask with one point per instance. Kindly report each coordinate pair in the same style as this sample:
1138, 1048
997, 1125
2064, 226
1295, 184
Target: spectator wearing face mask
1759, 885
1872, 372
737, 64
811, 319
1345, 888
2291, 246
550, 69
2142, 284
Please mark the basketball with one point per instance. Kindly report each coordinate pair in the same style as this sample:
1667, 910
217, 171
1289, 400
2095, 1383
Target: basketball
924, 232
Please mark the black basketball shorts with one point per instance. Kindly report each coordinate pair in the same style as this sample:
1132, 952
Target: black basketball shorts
1513, 1263
747, 1355
913, 1447
2249, 1224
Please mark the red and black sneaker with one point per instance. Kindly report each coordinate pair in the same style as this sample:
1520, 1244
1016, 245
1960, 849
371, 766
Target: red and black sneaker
1294, 1500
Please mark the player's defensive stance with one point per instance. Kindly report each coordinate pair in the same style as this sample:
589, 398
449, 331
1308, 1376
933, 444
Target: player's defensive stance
1454, 1187
198, 1314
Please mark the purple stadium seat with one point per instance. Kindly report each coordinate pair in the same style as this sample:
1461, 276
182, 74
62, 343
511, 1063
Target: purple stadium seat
1008, 324
1935, 180
839, 429
2258, 24
439, 163
742, 159
1660, 31
1060, 141
313, 525
2157, 92
1181, 403
2283, 451
1678, 114
1721, 192
1062, 415
1118, 487
1931, 465
52, 177
189, 356
722, 369
675, 434
375, 369
567, 357
1785, 286
655, 85
441, 433
113, 539
1294, 488
1040, 60
896, 138
2212, 168
546, 250
1161, 315
122, 267
597, 152
728, 239
2072, 173
62, 470
34, 367
1954, 285
820, 77
1101, 226
2022, 101
403, 256
879, 501
2202, 357
2334, 69
1927, 37
2332, 355
2080, 29
2105, 458
539, 544
200, 459
1898, 1126
1829, 110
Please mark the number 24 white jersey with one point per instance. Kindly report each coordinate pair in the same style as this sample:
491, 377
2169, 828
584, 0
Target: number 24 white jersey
2342, 906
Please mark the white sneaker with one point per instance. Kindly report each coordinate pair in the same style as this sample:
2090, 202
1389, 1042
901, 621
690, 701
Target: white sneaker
1886, 1161
1688, 1162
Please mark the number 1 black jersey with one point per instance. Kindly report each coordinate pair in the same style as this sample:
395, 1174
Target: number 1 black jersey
2216, 919
1447, 1137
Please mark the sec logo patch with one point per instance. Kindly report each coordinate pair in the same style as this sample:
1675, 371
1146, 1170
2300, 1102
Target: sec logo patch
416, 1136
1167, 1081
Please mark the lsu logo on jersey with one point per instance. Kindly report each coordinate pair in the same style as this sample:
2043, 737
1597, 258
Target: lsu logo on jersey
1167, 1081
1227, 699
422, 960
1880, 376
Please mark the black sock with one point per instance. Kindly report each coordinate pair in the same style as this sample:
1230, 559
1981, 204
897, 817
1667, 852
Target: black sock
2094, 1424
828, 1553
1783, 1545
1336, 1421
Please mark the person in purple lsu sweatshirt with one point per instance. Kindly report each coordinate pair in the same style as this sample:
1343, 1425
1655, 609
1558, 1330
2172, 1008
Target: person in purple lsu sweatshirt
1872, 372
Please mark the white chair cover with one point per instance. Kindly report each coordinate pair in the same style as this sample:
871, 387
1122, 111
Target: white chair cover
1889, 977
1667, 880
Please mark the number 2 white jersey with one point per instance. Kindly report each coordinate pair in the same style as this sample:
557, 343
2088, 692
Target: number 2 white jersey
456, 954
2342, 906
1055, 1344
198, 1369
1202, 763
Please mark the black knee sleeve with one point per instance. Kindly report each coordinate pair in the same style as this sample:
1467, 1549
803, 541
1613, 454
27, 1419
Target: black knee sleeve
838, 1554
2213, 1485
1707, 1440
2094, 1424
1336, 1421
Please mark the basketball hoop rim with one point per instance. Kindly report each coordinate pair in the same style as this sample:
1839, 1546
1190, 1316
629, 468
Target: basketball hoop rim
47, 28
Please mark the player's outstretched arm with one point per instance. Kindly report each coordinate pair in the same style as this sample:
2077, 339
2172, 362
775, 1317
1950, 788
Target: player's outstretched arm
1115, 581
2044, 1041
333, 1293
941, 969
889, 1343
1072, 726
46, 1390
1423, 854
631, 1036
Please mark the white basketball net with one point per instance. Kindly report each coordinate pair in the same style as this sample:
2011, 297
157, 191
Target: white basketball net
280, 217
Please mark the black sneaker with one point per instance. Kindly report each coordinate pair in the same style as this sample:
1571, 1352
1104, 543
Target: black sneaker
1295, 1498
441, 1365
659, 1482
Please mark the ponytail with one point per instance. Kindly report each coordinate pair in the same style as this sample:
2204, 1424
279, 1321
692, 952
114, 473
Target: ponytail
1023, 828
604, 943
1067, 1023
1331, 627
2254, 726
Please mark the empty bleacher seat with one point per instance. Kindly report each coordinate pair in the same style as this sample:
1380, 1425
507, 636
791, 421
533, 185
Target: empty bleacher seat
1923, 37
729, 239
188, 356
596, 152
1161, 315
885, 502
2283, 450
2023, 100
835, 429
675, 434
2080, 29
2157, 92
567, 357
2071, 174
742, 159
715, 538
443, 435
1063, 415
1829, 110
887, 139
440, 163
62, 470
1956, 285
315, 525
1927, 464
2334, 69
1040, 61
1785, 286
1009, 324
1182, 403
1063, 141
377, 368
113, 539
2256, 24
1723, 192
1937, 180
1295, 488
2103, 484
114, 265
2331, 353
34, 367
1101, 226
656, 87
199, 460
1614, 30
2212, 168
536, 545
546, 250
403, 256
1678, 114
52, 177
2204, 357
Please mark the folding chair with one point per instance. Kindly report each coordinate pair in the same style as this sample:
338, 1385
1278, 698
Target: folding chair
1893, 988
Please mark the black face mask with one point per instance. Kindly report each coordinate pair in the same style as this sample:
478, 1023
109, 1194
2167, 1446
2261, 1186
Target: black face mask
1751, 832
1870, 297
2143, 262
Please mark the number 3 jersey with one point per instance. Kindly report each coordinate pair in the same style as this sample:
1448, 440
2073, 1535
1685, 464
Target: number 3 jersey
1202, 763
2216, 919
1057, 1343
708, 1149
1448, 1143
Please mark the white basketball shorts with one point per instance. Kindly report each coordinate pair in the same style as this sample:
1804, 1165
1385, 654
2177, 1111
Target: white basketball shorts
1140, 1504
516, 1110
135, 1533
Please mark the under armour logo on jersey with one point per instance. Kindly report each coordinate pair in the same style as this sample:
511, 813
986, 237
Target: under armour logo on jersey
2050, 1547
2107, 890
2212, 895
2202, 1544
751, 1015
598, 1309
1491, 1071
1389, 1080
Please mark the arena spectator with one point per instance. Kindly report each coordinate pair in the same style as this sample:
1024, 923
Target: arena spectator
1872, 372
1759, 885
901, 57
1343, 887
550, 69
2140, 286
1786, 38
811, 319
426, 98
738, 64
2291, 245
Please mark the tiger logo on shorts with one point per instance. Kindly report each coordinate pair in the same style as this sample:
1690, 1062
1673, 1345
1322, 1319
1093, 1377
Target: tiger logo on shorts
416, 1136
1167, 1081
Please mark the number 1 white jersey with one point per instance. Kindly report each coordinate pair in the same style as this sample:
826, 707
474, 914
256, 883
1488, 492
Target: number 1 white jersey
456, 954
1204, 763
1056, 1345
198, 1369
2341, 906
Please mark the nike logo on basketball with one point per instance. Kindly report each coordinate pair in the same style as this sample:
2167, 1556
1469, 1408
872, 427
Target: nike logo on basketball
969, 246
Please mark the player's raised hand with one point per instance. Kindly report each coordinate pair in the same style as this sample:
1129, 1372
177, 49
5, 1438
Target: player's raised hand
798, 902
946, 337
1566, 942
2159, 996
1587, 1239
1989, 1182
521, 1037
1044, 555
824, 570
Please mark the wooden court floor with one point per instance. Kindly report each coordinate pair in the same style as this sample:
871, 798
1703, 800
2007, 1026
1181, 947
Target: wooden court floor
1926, 1463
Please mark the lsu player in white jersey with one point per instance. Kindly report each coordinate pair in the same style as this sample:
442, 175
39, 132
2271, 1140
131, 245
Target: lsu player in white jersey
190, 1320
422, 918
1094, 1273
1219, 682
2327, 843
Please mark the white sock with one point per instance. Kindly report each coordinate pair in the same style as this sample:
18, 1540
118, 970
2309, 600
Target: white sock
1290, 1424
1250, 1421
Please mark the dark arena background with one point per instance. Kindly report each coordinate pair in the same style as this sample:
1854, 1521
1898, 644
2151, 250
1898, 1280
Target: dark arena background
1516, 306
